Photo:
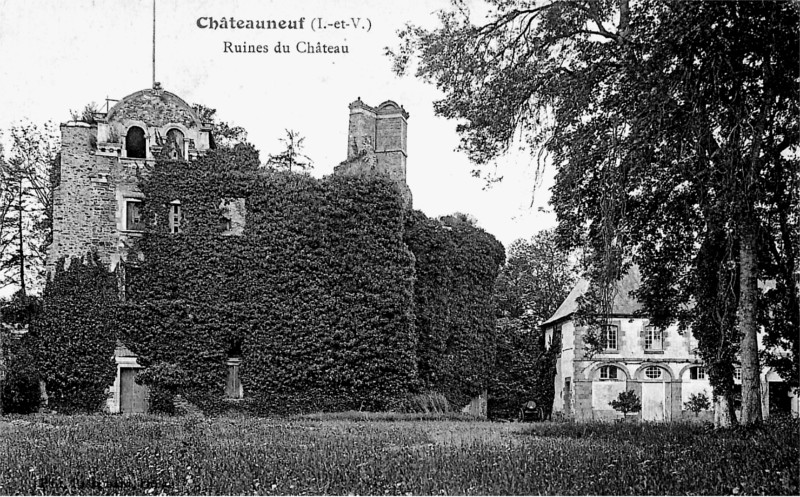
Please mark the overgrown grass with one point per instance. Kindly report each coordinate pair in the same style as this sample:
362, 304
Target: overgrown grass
387, 416
152, 455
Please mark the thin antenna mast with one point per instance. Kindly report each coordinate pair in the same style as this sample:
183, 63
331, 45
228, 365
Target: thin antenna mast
154, 43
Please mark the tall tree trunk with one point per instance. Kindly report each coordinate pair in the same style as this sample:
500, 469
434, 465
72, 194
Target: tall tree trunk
748, 269
746, 322
724, 412
20, 234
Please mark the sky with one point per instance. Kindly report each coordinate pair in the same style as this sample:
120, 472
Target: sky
57, 56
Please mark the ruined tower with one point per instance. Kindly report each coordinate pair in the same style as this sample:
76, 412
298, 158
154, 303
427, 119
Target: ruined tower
96, 202
377, 144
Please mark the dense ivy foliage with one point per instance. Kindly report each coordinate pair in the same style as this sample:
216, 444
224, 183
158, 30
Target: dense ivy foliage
315, 294
73, 338
456, 267
330, 293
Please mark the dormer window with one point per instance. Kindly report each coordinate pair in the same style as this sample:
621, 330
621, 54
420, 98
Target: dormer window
174, 145
135, 143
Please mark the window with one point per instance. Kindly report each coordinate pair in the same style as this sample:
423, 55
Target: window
175, 216
175, 144
737, 373
697, 373
556, 336
609, 337
652, 372
133, 217
653, 339
135, 143
608, 373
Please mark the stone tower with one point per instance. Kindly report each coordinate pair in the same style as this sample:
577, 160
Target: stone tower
377, 144
96, 202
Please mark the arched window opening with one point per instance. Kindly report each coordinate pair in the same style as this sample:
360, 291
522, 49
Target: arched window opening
697, 373
135, 143
610, 373
653, 372
175, 141
737, 373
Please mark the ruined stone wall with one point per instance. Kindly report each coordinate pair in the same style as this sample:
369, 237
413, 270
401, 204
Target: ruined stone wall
376, 144
84, 203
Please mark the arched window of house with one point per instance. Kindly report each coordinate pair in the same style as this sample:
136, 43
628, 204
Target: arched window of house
175, 140
135, 143
697, 373
611, 373
653, 373
737, 373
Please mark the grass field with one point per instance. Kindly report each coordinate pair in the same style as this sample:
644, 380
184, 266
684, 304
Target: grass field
380, 455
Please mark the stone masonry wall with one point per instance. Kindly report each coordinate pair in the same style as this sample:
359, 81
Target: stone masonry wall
156, 108
84, 202
376, 144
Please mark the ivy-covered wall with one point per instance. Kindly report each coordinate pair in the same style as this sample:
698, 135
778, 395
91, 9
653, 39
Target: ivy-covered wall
72, 337
315, 295
456, 267
332, 294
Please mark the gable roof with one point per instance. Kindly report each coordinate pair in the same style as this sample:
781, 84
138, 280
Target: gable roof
623, 304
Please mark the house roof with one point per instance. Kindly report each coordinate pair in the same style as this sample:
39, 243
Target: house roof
623, 304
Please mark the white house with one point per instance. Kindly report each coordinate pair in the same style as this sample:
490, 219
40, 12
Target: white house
662, 368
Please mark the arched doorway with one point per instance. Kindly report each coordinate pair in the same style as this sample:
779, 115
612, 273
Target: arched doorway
655, 380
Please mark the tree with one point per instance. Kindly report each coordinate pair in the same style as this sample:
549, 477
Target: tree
19, 379
26, 204
673, 129
626, 402
537, 277
697, 402
292, 156
222, 133
531, 285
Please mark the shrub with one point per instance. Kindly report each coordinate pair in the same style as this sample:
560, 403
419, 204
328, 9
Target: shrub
20, 392
697, 402
20, 389
428, 402
626, 402
164, 380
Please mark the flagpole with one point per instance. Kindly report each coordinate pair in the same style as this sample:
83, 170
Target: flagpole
154, 43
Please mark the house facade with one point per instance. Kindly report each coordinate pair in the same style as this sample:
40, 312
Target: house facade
660, 366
